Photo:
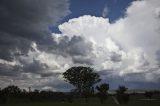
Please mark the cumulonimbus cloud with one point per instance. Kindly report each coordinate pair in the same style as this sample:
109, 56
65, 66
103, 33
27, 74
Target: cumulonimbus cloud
129, 45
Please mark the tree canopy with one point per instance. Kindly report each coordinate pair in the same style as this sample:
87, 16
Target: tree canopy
83, 78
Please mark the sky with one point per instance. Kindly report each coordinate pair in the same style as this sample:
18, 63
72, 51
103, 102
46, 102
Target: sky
40, 39
112, 9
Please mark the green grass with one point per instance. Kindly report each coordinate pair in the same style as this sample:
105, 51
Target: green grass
134, 101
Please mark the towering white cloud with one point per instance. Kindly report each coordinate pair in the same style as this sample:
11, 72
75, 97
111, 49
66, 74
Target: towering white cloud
140, 27
128, 45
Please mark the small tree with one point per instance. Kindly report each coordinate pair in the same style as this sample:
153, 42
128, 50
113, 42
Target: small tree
149, 94
102, 92
122, 97
83, 78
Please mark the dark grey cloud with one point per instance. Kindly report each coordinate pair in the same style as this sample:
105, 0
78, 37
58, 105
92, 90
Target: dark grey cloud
30, 18
35, 67
73, 46
79, 49
24, 21
11, 46
9, 70
83, 60
115, 57
76, 47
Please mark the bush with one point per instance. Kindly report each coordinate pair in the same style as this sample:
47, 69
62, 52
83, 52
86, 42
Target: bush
149, 94
122, 97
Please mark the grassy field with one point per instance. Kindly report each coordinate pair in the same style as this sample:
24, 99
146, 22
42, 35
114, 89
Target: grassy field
134, 101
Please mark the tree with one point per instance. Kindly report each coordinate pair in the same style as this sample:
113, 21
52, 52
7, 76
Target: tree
83, 78
12, 90
103, 91
149, 94
122, 97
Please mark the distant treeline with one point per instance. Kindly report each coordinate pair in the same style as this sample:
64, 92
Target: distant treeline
12, 94
15, 94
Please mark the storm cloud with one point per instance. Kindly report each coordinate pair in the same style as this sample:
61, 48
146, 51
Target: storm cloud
22, 22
